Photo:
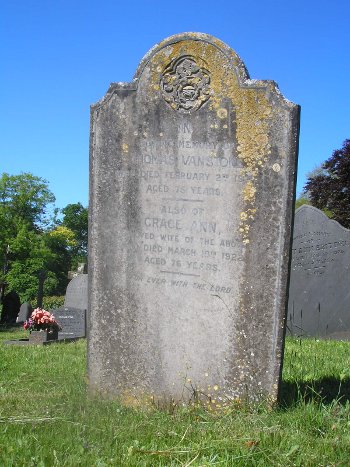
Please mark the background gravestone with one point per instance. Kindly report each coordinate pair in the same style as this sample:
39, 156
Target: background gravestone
319, 292
25, 311
192, 170
72, 322
10, 308
77, 292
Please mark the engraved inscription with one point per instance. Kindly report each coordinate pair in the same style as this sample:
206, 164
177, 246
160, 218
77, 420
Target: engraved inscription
185, 243
185, 85
315, 251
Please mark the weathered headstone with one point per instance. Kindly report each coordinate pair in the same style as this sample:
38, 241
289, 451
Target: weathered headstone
77, 292
72, 322
191, 198
319, 292
25, 311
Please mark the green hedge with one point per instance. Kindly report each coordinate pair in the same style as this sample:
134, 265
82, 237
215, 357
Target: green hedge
49, 303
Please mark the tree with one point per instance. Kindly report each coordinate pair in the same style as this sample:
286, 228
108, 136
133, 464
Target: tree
29, 244
32, 242
28, 256
61, 243
32, 253
75, 218
330, 188
24, 197
24, 201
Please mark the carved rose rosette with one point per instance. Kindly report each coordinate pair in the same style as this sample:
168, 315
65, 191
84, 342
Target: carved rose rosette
185, 85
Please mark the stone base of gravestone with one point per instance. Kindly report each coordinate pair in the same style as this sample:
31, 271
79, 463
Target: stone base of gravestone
39, 337
319, 293
339, 336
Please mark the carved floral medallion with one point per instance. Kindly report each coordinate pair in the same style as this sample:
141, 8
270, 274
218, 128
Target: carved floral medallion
185, 85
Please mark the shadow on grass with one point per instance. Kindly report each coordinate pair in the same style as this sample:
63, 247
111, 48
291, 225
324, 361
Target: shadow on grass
325, 390
10, 327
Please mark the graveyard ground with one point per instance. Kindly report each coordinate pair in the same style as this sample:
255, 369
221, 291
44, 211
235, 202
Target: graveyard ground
48, 419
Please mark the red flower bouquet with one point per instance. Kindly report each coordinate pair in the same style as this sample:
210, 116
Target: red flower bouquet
41, 320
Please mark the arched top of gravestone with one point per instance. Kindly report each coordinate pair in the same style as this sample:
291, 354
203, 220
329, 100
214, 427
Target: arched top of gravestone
200, 50
77, 292
240, 69
312, 214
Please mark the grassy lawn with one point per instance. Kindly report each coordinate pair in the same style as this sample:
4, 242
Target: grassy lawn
47, 418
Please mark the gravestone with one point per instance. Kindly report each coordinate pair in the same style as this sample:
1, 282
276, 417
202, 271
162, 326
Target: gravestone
192, 170
319, 292
25, 311
77, 292
72, 322
10, 308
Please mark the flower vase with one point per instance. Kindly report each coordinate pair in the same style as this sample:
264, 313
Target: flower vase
39, 337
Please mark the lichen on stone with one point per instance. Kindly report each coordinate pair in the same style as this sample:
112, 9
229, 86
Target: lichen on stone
252, 114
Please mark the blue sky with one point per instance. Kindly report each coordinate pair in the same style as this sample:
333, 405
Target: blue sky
58, 57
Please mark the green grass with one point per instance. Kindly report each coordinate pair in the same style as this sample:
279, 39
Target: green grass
48, 419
